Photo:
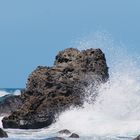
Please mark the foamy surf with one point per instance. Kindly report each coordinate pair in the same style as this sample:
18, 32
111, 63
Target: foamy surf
115, 115
4, 92
116, 112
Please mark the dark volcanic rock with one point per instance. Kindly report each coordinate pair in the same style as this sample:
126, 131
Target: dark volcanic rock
55, 138
137, 138
74, 135
51, 90
10, 103
3, 134
65, 131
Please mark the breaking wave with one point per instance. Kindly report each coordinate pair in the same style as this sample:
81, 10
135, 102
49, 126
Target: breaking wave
116, 111
115, 114
4, 92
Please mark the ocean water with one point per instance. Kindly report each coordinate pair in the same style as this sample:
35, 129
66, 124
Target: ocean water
115, 115
7, 91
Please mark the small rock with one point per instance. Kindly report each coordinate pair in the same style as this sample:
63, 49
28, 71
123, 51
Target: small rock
3, 134
55, 138
74, 135
65, 131
137, 138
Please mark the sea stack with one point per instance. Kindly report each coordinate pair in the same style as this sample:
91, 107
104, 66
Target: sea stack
51, 90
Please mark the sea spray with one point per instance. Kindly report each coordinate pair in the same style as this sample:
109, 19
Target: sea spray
115, 114
116, 111
4, 92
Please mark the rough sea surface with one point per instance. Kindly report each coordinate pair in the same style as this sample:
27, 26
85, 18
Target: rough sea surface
115, 115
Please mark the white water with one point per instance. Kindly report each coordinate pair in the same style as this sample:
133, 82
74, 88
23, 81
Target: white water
116, 112
3, 93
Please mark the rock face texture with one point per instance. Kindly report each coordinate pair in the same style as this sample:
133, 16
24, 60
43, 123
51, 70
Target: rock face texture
51, 90
3, 134
10, 103
65, 131
74, 135
137, 138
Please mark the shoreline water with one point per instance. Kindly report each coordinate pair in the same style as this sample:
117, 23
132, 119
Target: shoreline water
10, 91
64, 121
114, 116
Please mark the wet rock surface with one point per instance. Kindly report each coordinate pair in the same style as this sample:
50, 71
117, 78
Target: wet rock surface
55, 138
51, 90
65, 131
10, 103
137, 138
3, 134
74, 135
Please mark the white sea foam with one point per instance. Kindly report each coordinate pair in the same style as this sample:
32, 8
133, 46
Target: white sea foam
1, 122
17, 92
116, 112
4, 92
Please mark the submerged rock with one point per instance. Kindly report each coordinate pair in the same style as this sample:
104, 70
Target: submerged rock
51, 90
65, 131
55, 138
3, 134
74, 135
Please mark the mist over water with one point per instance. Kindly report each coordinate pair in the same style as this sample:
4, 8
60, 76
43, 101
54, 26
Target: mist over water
116, 112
